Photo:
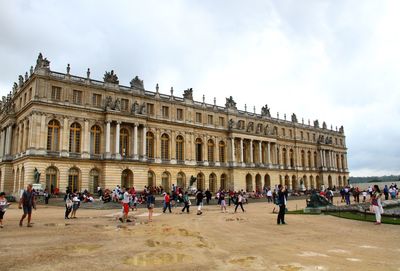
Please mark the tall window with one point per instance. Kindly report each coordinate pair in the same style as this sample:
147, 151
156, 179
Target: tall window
77, 97
96, 100
179, 148
94, 180
124, 142
150, 109
309, 158
212, 182
315, 159
56, 93
53, 135
179, 114
124, 105
222, 151
75, 137
150, 145
224, 184
30, 94
199, 146
210, 148
73, 179
291, 157
95, 139
51, 179
165, 111
210, 119
303, 159
221, 121
165, 147
198, 117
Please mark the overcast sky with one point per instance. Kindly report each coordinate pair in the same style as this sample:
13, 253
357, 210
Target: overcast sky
336, 61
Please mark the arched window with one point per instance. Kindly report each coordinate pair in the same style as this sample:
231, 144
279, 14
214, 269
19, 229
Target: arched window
199, 147
285, 162
127, 178
212, 183
210, 147
200, 181
181, 181
124, 142
179, 148
150, 145
53, 135
74, 179
291, 158
51, 179
75, 137
151, 179
222, 151
94, 180
95, 134
165, 147
165, 182
224, 183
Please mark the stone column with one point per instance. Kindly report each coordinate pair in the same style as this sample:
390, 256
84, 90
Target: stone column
19, 138
117, 130
31, 132
269, 153
8, 140
2, 144
241, 150
157, 146
345, 161
232, 139
205, 150
43, 134
135, 141
144, 154
260, 152
108, 139
287, 156
65, 138
322, 157
251, 152
24, 137
86, 140
277, 152
173, 147
217, 161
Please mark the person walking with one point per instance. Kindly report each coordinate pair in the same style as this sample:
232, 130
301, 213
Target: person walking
46, 196
239, 202
208, 196
199, 201
68, 204
150, 204
186, 201
27, 202
125, 206
222, 202
376, 203
3, 207
282, 194
167, 203
76, 202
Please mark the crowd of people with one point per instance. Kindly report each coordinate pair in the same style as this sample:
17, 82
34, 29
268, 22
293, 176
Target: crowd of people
129, 198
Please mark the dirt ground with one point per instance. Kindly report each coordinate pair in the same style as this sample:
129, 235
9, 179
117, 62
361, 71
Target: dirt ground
212, 241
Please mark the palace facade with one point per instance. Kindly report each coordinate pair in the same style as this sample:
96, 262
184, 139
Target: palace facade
84, 133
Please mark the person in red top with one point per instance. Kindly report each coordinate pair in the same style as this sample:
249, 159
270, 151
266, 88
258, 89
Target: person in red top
167, 203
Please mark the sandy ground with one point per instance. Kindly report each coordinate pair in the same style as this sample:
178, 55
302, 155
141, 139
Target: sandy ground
213, 241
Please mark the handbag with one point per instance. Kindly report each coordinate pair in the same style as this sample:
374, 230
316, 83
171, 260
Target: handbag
189, 202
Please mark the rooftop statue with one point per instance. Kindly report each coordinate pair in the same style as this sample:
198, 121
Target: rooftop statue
42, 63
265, 111
316, 124
188, 94
111, 77
294, 118
230, 103
20, 80
137, 83
341, 129
324, 125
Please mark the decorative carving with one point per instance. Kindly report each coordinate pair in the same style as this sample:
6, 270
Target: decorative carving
250, 127
42, 63
231, 123
188, 94
324, 125
117, 105
143, 108
111, 77
135, 108
230, 103
316, 124
266, 130
294, 118
137, 83
108, 103
259, 128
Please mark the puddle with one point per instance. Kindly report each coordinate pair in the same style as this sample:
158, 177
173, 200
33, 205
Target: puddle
353, 259
145, 260
312, 254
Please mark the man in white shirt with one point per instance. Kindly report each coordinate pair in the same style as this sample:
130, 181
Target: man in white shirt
125, 206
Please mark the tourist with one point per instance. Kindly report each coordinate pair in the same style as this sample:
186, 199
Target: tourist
150, 205
364, 193
386, 192
199, 201
223, 202
347, 195
231, 195
27, 202
376, 203
269, 195
208, 196
76, 202
282, 199
46, 196
3, 207
125, 206
167, 203
187, 202
239, 201
68, 204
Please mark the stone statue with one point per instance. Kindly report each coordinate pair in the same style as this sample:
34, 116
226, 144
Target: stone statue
316, 124
15, 87
265, 111
31, 70
266, 130
88, 73
111, 77
135, 107
108, 103
250, 127
324, 125
231, 123
316, 201
36, 175
341, 129
42, 63
68, 68
143, 109
294, 117
137, 83
188, 94
192, 180
230, 103
26, 76
259, 128
117, 105
20, 81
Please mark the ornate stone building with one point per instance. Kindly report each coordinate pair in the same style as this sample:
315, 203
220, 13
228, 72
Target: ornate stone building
82, 133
